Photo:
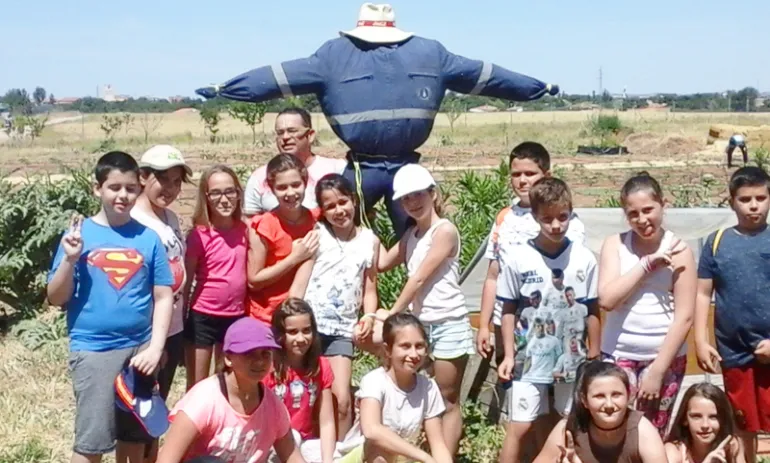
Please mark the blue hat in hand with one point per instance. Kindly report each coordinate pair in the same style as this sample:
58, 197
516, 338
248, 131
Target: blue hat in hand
139, 395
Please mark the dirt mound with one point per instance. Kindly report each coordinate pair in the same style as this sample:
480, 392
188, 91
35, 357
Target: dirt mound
648, 143
186, 111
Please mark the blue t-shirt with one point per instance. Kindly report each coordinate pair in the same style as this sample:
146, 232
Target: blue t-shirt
741, 275
112, 301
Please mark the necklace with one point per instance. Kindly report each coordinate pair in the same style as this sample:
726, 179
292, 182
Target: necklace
348, 238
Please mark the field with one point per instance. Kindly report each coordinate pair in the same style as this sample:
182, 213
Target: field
36, 394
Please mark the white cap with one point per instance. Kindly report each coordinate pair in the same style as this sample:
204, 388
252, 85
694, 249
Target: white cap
410, 179
164, 157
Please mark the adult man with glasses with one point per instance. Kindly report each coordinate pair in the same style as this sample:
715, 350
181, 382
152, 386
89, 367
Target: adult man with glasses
294, 134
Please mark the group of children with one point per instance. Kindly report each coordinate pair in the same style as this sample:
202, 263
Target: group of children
281, 301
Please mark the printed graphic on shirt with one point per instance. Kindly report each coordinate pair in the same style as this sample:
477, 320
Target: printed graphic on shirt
235, 446
120, 265
550, 331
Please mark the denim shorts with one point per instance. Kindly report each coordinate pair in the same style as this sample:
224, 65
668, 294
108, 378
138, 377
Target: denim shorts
450, 339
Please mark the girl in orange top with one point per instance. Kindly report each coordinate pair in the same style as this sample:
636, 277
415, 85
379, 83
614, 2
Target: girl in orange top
281, 239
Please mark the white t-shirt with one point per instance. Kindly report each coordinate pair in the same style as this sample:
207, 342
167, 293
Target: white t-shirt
526, 279
171, 235
440, 298
258, 198
516, 225
403, 412
336, 287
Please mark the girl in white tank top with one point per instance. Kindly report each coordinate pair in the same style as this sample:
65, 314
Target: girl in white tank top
647, 284
430, 249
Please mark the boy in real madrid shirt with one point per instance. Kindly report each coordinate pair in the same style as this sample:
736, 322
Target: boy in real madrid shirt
548, 287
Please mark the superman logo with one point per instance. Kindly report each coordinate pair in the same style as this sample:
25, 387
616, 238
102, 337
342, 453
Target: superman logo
120, 265
177, 270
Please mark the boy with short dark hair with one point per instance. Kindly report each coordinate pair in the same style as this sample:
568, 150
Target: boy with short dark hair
529, 162
735, 265
547, 265
112, 276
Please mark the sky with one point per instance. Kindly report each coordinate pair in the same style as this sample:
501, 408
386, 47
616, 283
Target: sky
171, 47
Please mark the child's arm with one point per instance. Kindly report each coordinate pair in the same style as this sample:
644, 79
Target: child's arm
163, 301
488, 292
261, 276
390, 258
191, 256
445, 243
62, 284
685, 284
371, 299
615, 288
505, 368
301, 279
707, 354
182, 433
552, 452
435, 436
382, 436
594, 328
328, 426
673, 454
652, 451
287, 449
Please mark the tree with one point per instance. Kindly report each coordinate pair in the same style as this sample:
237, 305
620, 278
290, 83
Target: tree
250, 114
18, 100
746, 99
39, 95
150, 124
211, 118
51, 99
453, 108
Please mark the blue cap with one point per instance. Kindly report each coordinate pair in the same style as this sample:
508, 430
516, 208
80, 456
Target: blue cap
138, 394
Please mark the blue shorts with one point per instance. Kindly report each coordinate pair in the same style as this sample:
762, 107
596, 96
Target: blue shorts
450, 339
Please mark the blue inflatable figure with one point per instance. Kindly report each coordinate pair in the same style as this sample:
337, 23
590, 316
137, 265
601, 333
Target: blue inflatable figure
380, 89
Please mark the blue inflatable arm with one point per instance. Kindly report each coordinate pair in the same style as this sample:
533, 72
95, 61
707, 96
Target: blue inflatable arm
476, 77
297, 77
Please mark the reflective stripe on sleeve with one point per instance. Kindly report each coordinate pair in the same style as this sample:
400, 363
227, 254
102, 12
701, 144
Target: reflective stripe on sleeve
382, 115
281, 80
486, 73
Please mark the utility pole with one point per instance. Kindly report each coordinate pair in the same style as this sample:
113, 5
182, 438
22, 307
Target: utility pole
601, 82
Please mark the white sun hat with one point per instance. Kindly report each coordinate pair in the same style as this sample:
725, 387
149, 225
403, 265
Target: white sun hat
377, 24
410, 179
164, 157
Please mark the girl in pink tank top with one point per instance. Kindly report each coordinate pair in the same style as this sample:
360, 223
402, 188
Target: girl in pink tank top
704, 430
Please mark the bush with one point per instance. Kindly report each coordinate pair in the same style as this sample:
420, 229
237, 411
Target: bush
32, 218
481, 440
604, 125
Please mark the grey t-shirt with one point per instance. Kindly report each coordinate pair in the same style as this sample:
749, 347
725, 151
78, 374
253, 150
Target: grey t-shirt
741, 275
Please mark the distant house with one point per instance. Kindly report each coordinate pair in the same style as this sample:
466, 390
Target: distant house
65, 100
176, 99
484, 109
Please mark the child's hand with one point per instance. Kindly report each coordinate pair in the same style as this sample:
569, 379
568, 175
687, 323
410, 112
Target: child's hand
567, 452
505, 369
660, 259
147, 361
483, 344
305, 247
762, 352
708, 357
364, 329
649, 387
72, 241
718, 455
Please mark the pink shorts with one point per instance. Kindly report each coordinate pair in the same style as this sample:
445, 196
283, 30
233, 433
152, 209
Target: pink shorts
657, 412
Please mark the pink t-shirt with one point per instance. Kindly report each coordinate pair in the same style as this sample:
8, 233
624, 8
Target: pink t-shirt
300, 394
227, 434
220, 276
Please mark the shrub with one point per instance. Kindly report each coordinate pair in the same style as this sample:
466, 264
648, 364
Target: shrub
32, 218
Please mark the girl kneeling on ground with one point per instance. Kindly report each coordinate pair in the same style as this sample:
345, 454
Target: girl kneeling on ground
601, 427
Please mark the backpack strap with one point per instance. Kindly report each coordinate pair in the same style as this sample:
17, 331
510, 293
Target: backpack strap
717, 239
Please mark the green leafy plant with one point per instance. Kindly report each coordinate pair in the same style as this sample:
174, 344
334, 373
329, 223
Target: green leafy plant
481, 439
31, 451
761, 157
30, 125
32, 217
250, 114
211, 119
35, 333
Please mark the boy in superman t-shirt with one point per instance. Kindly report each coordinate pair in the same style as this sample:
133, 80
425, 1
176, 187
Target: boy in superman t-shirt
112, 276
